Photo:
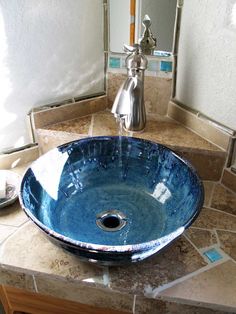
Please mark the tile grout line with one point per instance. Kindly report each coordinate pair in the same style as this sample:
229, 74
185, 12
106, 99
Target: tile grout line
225, 230
90, 132
228, 190
211, 194
220, 211
106, 277
35, 284
194, 246
217, 236
199, 228
134, 304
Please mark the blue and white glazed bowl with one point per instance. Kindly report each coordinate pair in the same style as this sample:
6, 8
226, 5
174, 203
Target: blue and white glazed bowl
112, 200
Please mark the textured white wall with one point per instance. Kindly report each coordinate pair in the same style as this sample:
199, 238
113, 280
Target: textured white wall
50, 50
206, 77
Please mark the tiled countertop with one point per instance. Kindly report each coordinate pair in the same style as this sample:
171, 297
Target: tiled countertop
181, 279
206, 157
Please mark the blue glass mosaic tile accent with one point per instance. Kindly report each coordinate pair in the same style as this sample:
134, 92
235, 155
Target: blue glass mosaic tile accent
166, 66
159, 53
213, 255
114, 62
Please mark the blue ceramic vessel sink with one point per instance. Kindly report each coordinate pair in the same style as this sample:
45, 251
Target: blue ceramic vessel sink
112, 200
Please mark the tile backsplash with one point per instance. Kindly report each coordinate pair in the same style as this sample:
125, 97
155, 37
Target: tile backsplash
160, 66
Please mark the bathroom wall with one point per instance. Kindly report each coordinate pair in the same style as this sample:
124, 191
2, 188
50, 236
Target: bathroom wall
206, 73
50, 50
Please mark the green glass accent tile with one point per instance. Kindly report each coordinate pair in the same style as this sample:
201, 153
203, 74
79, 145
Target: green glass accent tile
166, 66
114, 62
213, 255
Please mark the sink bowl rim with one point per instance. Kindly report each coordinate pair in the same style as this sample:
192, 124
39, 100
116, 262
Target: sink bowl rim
138, 247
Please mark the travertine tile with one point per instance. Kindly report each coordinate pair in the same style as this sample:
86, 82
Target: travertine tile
6, 231
104, 124
49, 139
69, 111
215, 286
210, 218
16, 159
79, 125
12, 215
228, 242
36, 253
208, 189
157, 91
201, 238
229, 179
174, 134
199, 125
16, 279
223, 199
208, 165
175, 261
113, 85
151, 306
84, 294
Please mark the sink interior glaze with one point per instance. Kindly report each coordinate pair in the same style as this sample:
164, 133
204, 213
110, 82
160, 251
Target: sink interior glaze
112, 200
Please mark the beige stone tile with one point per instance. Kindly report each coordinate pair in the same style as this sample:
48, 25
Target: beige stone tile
6, 231
210, 218
175, 261
229, 180
228, 242
201, 238
208, 189
28, 248
49, 139
209, 165
215, 286
199, 125
16, 279
84, 294
174, 134
223, 199
10, 161
157, 91
104, 124
79, 125
114, 82
67, 112
12, 215
151, 306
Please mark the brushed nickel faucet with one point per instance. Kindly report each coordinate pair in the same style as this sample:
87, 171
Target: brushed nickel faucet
128, 106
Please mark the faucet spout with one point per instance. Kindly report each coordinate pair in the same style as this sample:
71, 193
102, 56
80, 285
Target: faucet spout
129, 105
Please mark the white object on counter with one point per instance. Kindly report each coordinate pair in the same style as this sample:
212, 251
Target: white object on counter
11, 184
2, 185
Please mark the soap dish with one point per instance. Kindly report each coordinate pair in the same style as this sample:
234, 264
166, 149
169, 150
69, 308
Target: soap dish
12, 187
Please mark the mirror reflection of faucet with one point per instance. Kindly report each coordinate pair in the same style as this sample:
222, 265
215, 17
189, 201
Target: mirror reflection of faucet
129, 102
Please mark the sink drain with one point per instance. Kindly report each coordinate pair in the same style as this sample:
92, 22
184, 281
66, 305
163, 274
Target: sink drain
111, 220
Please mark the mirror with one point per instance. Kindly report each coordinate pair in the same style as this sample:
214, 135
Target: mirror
126, 18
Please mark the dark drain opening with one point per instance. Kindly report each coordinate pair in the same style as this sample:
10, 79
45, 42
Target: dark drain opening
111, 222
